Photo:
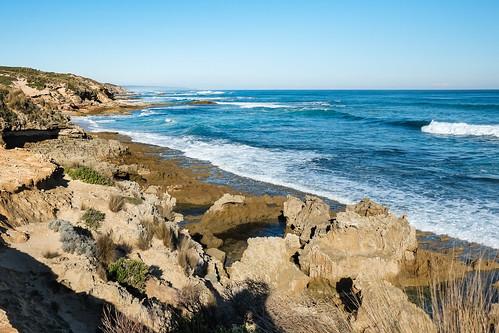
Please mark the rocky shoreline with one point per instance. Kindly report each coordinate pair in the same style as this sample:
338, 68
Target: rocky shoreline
93, 237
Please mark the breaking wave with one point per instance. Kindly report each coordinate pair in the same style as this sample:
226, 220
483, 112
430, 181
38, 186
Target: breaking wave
461, 129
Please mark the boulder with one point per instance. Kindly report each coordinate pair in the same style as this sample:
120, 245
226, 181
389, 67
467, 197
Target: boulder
306, 219
226, 200
375, 245
231, 211
269, 260
385, 308
216, 253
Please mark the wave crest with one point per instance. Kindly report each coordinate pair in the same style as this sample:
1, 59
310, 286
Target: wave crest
461, 129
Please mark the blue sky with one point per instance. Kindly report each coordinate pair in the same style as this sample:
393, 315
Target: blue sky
259, 44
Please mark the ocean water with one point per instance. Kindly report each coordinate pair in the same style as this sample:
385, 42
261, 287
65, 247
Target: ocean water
433, 155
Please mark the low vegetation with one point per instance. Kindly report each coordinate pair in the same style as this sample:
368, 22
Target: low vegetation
74, 239
116, 322
83, 87
146, 234
167, 234
161, 230
134, 200
187, 257
463, 304
50, 254
116, 203
129, 272
88, 175
93, 218
105, 249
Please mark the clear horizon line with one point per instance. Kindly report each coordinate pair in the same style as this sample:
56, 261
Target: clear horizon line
309, 89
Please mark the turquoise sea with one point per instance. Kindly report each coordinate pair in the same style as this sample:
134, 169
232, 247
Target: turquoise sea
433, 155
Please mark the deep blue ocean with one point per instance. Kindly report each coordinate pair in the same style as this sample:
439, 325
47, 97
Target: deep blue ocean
433, 155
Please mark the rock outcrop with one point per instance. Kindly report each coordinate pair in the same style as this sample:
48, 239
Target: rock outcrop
306, 219
23, 170
385, 308
269, 259
231, 211
368, 242
32, 104
26, 191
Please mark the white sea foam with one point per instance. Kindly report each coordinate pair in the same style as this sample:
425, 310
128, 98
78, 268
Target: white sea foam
471, 220
209, 92
169, 120
148, 112
461, 129
250, 105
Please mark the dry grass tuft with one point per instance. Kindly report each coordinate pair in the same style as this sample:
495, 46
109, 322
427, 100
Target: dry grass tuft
115, 322
167, 234
105, 249
116, 203
50, 254
146, 235
462, 304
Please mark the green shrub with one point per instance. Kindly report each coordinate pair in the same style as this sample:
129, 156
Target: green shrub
93, 218
74, 239
129, 272
88, 175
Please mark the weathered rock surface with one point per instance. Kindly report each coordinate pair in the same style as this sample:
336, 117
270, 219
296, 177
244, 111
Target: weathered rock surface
231, 211
428, 267
5, 325
21, 173
268, 259
373, 244
385, 308
20, 169
306, 219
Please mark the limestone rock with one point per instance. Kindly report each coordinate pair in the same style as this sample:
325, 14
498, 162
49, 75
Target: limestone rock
73, 132
268, 259
225, 200
306, 219
231, 211
5, 326
164, 293
367, 207
375, 245
216, 253
32, 206
21, 169
386, 308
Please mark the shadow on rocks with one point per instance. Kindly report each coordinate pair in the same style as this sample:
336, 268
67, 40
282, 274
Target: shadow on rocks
34, 301
244, 305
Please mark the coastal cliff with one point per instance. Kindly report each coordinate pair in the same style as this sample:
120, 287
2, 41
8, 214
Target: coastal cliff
92, 237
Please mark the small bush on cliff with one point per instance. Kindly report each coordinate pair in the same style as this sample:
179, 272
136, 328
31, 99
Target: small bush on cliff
74, 239
93, 218
116, 203
129, 272
88, 175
